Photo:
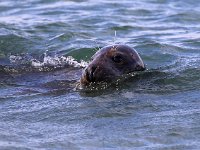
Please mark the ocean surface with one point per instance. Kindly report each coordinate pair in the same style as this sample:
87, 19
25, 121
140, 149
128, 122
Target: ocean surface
44, 46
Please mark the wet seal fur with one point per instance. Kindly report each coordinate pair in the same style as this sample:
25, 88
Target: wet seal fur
111, 62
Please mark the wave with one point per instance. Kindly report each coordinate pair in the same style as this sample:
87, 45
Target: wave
27, 63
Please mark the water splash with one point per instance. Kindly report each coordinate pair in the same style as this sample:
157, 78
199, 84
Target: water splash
115, 36
58, 61
47, 61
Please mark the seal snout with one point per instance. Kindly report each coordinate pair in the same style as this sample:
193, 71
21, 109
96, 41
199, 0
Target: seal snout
140, 67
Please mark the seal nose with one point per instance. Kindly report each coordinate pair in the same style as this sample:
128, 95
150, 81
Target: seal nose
90, 73
140, 67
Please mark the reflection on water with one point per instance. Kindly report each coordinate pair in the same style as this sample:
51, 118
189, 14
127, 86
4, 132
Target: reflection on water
44, 46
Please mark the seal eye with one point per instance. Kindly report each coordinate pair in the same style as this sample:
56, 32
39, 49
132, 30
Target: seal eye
117, 59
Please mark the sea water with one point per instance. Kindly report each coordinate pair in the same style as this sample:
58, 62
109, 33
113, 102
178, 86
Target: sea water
45, 44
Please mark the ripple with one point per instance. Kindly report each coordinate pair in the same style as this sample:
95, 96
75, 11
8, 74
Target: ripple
42, 44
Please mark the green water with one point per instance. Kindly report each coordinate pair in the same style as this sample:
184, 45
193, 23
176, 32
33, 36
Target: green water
157, 109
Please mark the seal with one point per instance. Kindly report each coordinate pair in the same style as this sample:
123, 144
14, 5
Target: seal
111, 62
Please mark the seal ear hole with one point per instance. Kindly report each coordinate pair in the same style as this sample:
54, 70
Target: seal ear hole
117, 59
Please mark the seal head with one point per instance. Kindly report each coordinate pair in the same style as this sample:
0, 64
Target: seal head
111, 62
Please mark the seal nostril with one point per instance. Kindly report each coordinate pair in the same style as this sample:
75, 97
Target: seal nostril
92, 76
139, 68
89, 73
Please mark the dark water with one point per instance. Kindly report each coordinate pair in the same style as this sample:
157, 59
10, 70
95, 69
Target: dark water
157, 109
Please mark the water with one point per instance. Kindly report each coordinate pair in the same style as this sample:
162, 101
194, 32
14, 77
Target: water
43, 47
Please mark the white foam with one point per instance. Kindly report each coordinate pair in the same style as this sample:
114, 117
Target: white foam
55, 61
15, 59
59, 61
